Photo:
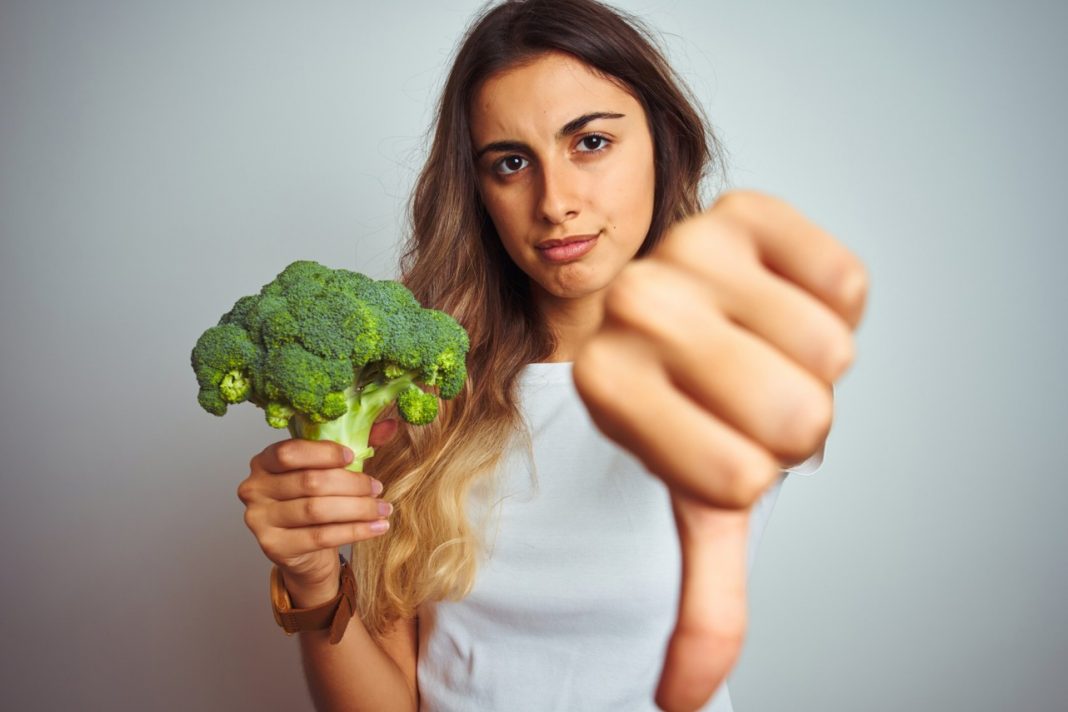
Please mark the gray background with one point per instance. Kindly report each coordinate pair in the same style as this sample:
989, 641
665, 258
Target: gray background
159, 159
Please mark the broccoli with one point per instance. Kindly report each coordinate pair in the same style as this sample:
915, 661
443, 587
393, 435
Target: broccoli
324, 352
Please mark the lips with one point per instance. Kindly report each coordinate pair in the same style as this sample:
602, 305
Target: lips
567, 248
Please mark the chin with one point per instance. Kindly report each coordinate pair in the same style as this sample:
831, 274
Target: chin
574, 288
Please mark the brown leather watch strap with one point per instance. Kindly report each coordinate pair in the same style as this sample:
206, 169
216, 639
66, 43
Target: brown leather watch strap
334, 614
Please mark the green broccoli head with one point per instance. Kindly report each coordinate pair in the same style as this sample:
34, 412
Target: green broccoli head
417, 406
447, 366
324, 352
224, 359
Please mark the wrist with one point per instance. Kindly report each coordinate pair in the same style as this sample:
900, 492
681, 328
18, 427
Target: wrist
308, 592
310, 596
309, 612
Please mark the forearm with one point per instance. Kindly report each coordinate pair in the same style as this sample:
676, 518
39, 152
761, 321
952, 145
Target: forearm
356, 674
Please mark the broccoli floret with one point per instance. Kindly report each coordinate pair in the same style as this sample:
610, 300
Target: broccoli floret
324, 352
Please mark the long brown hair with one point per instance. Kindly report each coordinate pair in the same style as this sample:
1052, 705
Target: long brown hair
454, 261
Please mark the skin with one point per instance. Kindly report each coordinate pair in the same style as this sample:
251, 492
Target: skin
302, 505
562, 152
729, 337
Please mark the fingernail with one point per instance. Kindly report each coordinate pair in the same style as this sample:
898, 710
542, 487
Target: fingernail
384, 508
348, 454
376, 487
379, 525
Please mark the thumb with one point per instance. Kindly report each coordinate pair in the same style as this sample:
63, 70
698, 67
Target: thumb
712, 618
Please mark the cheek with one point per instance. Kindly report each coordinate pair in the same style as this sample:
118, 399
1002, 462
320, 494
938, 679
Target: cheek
634, 204
649, 183
503, 215
498, 210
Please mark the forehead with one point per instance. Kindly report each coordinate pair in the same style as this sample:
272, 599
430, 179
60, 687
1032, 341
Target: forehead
542, 95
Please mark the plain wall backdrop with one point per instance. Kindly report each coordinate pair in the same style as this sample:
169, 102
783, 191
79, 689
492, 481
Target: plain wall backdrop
160, 159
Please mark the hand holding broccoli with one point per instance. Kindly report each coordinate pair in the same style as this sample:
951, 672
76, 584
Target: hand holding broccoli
324, 352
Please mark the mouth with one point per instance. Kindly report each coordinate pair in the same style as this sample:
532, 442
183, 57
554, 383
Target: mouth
567, 248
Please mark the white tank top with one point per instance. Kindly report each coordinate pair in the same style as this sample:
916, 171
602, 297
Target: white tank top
576, 596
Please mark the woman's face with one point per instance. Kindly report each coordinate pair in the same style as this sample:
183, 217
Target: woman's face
565, 169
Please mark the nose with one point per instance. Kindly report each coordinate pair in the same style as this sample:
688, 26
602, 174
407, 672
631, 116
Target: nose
560, 191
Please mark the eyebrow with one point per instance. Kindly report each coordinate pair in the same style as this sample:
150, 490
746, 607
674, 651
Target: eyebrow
571, 128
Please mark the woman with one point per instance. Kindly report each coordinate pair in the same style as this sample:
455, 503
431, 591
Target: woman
529, 563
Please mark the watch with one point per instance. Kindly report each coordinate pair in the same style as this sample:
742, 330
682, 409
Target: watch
333, 615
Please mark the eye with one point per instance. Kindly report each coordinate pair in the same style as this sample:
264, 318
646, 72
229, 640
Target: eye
593, 143
509, 165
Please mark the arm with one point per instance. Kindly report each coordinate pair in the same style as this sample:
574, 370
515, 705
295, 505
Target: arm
302, 505
729, 336
358, 674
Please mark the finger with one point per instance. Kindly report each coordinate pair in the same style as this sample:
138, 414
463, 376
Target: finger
708, 459
784, 240
712, 618
730, 372
281, 544
312, 511
382, 432
320, 483
299, 454
800, 326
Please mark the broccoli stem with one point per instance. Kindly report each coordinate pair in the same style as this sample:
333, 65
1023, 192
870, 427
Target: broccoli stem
353, 429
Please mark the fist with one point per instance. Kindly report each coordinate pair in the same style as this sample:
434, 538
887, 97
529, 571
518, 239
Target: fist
714, 365
716, 357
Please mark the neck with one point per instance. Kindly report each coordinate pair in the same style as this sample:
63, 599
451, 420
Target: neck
571, 321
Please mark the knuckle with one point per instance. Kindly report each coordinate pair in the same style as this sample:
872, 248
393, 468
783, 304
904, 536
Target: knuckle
312, 481
658, 299
252, 519
592, 371
745, 476
683, 235
584, 370
320, 538
807, 426
315, 510
855, 284
728, 199
739, 200
270, 546
623, 298
717, 246
850, 284
835, 356
245, 490
284, 455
